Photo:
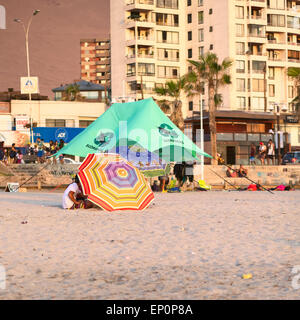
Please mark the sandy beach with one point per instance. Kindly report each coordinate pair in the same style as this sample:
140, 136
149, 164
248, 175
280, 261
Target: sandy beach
194, 245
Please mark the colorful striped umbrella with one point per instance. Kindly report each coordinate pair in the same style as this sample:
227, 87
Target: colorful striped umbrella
112, 183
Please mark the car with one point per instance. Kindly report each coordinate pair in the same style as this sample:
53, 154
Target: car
71, 161
291, 158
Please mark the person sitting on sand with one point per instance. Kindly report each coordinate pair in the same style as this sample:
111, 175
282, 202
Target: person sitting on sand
242, 172
73, 197
230, 173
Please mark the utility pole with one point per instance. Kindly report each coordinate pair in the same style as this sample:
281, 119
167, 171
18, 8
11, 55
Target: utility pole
26, 31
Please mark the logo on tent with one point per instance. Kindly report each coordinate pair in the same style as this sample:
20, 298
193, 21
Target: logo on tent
103, 139
167, 131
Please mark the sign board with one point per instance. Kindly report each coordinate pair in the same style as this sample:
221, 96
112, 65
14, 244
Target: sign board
55, 133
21, 121
29, 85
12, 187
17, 137
2, 17
291, 119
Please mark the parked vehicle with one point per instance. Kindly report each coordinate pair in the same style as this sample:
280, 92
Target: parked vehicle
71, 161
291, 158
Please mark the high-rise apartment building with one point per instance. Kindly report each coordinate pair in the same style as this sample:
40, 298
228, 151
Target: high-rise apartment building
95, 61
262, 37
151, 41
147, 45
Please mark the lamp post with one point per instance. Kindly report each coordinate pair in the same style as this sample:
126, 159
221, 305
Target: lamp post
201, 137
26, 31
277, 108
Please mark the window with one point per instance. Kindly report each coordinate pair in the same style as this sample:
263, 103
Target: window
291, 92
190, 36
240, 85
258, 85
200, 35
189, 3
200, 17
85, 123
211, 29
165, 19
211, 47
240, 48
258, 66
201, 51
240, 66
258, 103
90, 95
191, 105
167, 37
58, 96
256, 30
293, 22
276, 4
168, 54
241, 103
167, 72
189, 18
210, 11
168, 4
271, 90
240, 32
271, 73
147, 69
276, 20
200, 3
55, 123
239, 12
190, 53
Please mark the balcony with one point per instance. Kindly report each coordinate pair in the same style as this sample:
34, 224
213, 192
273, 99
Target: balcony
143, 5
258, 3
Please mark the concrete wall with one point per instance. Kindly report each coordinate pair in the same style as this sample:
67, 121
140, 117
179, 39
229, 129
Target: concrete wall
68, 110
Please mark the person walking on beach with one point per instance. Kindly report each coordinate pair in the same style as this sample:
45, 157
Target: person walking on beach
262, 152
271, 152
252, 154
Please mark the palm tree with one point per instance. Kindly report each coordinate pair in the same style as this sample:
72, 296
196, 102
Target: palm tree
173, 89
72, 93
295, 73
208, 71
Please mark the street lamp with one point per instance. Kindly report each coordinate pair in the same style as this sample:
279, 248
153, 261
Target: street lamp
26, 31
277, 109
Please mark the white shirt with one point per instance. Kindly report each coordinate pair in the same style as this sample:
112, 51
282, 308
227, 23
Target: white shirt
67, 203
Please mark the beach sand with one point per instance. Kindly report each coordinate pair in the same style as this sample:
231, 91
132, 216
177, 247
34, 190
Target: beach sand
194, 245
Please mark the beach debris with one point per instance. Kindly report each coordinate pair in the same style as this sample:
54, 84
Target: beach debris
247, 276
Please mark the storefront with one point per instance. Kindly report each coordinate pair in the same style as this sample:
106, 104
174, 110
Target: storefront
236, 131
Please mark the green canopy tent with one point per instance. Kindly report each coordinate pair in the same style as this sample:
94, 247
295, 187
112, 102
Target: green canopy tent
135, 123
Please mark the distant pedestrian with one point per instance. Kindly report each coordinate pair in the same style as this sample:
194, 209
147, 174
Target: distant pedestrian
40, 150
12, 154
252, 154
262, 152
19, 157
271, 152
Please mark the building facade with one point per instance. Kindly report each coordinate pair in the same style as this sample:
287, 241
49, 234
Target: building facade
95, 61
262, 37
147, 45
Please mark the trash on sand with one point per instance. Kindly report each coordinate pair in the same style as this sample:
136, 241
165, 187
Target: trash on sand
247, 276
